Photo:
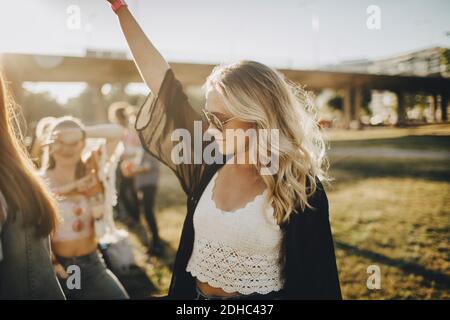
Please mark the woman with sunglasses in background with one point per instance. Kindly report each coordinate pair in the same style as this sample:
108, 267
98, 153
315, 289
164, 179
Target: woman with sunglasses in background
28, 216
77, 187
247, 235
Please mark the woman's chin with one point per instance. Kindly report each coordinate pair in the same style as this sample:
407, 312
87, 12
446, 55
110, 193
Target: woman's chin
224, 150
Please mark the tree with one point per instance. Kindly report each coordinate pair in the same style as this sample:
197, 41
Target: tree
38, 105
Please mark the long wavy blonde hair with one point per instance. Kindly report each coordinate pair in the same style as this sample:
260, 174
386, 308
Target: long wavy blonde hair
255, 93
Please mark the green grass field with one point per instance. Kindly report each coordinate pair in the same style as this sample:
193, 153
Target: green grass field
390, 209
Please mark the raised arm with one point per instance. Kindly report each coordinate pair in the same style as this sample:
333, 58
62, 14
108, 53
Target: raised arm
113, 134
150, 63
167, 107
109, 131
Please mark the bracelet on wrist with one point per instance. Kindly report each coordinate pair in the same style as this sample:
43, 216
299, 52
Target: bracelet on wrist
116, 5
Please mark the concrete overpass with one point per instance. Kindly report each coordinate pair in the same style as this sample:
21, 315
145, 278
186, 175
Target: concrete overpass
98, 71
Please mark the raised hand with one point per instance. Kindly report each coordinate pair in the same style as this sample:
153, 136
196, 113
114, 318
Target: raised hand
67, 136
60, 271
87, 183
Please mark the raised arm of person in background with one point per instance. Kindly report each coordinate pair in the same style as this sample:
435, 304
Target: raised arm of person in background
113, 134
150, 63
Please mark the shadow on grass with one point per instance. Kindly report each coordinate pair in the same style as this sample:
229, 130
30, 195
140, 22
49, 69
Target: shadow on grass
362, 165
352, 168
137, 282
134, 280
440, 279
425, 142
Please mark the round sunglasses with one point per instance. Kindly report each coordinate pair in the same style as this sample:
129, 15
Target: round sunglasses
214, 120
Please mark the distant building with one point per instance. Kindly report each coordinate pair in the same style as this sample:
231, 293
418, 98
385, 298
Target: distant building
427, 62
106, 54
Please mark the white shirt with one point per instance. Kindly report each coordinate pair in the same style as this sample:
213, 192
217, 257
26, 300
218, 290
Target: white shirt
236, 251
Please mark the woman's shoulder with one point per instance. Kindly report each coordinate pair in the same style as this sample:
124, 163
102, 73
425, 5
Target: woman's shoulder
3, 208
3, 217
47, 177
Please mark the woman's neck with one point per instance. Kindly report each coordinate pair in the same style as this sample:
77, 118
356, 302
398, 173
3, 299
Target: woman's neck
240, 162
63, 173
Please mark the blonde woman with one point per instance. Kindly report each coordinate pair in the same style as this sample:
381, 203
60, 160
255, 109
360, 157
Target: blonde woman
246, 235
28, 216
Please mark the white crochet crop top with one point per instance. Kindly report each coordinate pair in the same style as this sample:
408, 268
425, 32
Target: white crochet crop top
236, 251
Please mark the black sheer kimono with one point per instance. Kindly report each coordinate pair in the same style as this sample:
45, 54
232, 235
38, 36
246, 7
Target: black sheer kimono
309, 263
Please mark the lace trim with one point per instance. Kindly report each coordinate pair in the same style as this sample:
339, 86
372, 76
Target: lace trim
247, 205
223, 267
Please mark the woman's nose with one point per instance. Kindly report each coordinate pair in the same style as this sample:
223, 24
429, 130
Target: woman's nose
67, 149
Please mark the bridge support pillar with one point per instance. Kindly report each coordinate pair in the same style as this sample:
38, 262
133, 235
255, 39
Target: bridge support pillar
401, 109
98, 103
348, 97
444, 105
352, 107
433, 106
357, 106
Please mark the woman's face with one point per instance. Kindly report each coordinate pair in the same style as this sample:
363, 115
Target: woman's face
215, 106
67, 146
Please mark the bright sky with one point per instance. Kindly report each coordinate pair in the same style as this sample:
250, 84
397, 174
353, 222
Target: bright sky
288, 33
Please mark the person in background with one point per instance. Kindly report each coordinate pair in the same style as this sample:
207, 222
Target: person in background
118, 113
81, 201
139, 174
28, 215
146, 183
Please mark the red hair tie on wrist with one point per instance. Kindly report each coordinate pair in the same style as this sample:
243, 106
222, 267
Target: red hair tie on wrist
116, 5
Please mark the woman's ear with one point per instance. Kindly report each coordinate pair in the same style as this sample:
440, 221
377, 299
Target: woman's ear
51, 149
83, 143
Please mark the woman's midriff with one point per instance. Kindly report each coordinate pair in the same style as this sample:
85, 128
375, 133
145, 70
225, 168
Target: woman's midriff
207, 290
75, 248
